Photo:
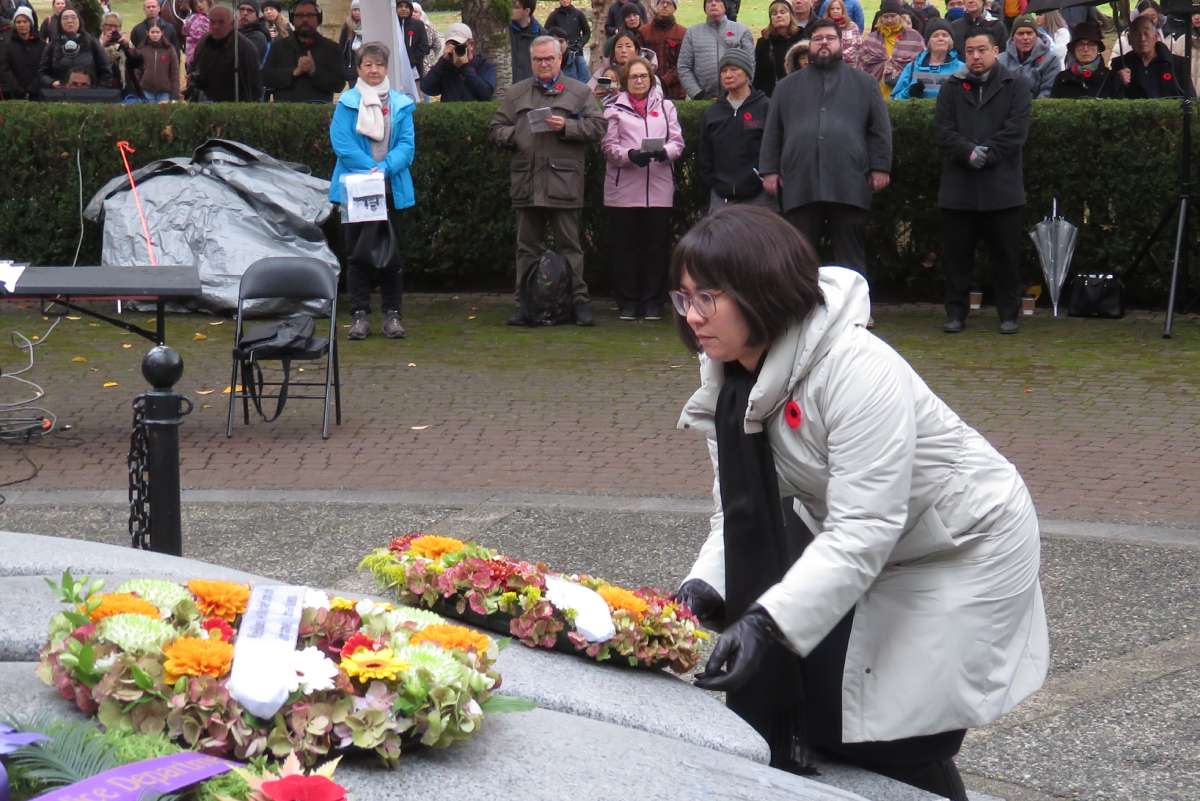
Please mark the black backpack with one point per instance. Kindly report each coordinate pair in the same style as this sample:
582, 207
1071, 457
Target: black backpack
546, 297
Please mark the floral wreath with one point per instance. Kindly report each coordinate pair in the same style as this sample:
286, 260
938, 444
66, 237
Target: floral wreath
154, 657
466, 580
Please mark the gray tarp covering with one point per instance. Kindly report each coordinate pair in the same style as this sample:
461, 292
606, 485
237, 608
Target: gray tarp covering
223, 209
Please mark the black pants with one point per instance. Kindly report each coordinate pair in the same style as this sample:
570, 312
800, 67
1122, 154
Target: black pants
373, 254
846, 227
926, 761
564, 226
962, 231
639, 254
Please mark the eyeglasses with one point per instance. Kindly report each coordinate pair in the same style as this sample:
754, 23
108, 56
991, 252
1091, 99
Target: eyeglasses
639, 77
704, 302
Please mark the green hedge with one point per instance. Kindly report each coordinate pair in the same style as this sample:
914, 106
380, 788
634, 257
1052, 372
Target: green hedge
1111, 164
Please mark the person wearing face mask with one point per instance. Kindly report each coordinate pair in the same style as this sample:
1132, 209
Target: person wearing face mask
73, 49
304, 67
774, 42
1031, 55
894, 602
1086, 76
976, 17
664, 36
888, 49
924, 75
20, 57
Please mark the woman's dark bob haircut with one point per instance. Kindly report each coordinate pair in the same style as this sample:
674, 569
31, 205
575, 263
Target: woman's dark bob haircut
759, 261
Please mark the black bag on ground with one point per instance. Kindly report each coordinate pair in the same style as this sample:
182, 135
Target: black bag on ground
1097, 295
545, 294
271, 340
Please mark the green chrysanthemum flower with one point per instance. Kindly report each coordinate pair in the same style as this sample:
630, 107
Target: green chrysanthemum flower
136, 634
163, 594
442, 666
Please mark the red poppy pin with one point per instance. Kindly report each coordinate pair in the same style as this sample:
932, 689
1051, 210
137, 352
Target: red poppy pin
747, 116
558, 87
1166, 76
966, 86
1087, 73
729, 34
653, 113
793, 415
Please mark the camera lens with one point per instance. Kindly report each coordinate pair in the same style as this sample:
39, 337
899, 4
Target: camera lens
460, 49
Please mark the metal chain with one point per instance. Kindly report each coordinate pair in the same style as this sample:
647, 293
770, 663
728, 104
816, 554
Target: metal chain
139, 483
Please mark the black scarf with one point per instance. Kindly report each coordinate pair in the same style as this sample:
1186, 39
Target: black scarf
758, 552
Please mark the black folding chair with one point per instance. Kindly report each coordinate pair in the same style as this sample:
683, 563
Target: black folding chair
291, 278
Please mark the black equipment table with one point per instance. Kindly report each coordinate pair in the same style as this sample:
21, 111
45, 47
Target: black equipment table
65, 286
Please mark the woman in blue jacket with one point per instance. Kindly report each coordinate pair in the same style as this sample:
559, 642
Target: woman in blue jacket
372, 131
924, 75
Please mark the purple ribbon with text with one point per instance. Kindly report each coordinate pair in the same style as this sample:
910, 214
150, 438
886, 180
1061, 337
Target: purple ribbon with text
150, 776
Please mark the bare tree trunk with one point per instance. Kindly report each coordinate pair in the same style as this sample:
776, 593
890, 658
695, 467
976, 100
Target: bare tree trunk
599, 36
488, 21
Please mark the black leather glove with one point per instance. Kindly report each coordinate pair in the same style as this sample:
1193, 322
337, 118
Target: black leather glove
741, 650
659, 155
704, 601
639, 158
916, 89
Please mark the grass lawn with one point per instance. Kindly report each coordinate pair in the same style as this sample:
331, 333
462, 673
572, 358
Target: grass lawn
469, 330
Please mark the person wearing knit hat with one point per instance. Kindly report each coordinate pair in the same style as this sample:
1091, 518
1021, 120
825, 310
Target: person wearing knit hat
731, 134
771, 50
20, 58
250, 24
924, 75
889, 48
277, 25
738, 57
1030, 53
1086, 76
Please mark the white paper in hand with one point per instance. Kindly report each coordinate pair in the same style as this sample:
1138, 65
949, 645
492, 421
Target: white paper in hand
262, 670
592, 617
366, 197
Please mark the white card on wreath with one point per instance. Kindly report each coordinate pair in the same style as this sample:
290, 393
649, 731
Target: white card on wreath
366, 197
592, 617
262, 669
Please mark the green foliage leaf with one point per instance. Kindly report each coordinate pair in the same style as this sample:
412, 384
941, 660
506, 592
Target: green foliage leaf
501, 704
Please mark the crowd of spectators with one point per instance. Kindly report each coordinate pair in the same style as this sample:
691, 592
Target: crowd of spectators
799, 124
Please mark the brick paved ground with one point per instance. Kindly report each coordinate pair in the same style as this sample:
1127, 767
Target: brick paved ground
1093, 440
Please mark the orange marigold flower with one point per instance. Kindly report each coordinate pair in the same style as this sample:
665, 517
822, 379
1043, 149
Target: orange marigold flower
433, 546
220, 598
121, 603
458, 638
192, 656
618, 599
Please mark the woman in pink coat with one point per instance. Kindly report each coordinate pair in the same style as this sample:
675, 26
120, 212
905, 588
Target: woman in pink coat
642, 141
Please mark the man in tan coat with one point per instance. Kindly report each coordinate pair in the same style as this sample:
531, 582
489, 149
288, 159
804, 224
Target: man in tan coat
548, 120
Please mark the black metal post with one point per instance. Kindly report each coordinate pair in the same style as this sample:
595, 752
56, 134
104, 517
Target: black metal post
1182, 241
163, 368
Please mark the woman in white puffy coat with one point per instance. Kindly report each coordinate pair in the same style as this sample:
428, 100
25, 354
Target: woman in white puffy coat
915, 611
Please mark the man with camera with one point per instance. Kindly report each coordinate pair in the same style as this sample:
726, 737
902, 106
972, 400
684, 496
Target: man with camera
125, 59
461, 73
550, 121
304, 67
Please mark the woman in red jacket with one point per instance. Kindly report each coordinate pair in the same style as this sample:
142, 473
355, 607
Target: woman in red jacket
642, 140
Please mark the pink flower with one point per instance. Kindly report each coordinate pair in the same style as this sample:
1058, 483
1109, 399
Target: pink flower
303, 788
